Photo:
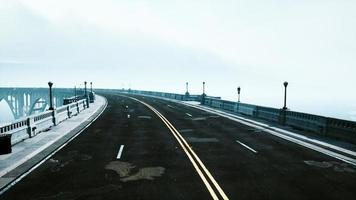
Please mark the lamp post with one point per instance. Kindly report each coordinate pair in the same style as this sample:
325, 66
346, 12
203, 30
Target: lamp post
85, 88
285, 95
203, 88
91, 87
186, 87
238, 93
75, 93
50, 84
203, 95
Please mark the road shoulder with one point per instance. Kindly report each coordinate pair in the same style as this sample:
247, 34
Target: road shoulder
33, 152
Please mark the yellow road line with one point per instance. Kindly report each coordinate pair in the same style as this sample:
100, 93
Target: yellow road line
190, 153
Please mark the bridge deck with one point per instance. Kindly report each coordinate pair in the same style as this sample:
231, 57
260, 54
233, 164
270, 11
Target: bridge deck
130, 153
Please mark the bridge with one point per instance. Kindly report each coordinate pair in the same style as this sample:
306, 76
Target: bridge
155, 145
27, 101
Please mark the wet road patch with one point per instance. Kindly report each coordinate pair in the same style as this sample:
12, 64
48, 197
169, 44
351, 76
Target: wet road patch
202, 140
185, 130
336, 166
59, 163
144, 117
148, 173
199, 118
124, 170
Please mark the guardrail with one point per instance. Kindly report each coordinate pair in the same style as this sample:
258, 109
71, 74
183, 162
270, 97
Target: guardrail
30, 126
323, 126
90, 97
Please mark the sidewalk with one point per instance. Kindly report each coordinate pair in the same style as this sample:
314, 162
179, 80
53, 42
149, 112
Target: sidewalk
28, 154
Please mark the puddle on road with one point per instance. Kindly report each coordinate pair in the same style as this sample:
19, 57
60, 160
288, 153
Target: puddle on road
194, 139
52, 160
58, 164
323, 164
255, 130
123, 169
337, 166
204, 118
144, 117
185, 130
199, 118
148, 173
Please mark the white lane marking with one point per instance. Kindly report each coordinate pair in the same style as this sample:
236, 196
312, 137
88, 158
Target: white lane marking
247, 147
189, 114
120, 152
170, 106
287, 135
282, 134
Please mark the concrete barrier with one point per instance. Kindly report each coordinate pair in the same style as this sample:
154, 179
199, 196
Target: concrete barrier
30, 126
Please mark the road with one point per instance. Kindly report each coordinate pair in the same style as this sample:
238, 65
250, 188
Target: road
147, 148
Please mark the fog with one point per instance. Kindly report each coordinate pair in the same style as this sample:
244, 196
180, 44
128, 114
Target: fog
160, 45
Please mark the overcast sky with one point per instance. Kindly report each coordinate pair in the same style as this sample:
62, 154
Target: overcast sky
159, 45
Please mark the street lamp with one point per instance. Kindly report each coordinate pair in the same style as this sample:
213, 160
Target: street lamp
85, 88
238, 93
285, 95
50, 84
186, 88
75, 93
203, 88
91, 87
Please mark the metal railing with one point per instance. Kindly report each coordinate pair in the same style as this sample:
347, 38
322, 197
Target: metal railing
30, 126
321, 125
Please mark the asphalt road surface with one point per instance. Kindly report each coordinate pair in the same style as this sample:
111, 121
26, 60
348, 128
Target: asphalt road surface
146, 148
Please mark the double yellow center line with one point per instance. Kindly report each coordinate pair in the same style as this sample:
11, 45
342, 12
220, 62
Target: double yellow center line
213, 187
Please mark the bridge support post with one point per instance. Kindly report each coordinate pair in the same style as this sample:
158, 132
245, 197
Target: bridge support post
68, 112
282, 116
78, 109
31, 127
54, 117
86, 94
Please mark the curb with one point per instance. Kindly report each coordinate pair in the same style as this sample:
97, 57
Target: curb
20, 172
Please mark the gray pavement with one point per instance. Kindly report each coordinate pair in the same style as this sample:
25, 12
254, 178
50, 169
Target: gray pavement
137, 151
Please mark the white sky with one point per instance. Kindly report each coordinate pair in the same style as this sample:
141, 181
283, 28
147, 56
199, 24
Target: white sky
159, 45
